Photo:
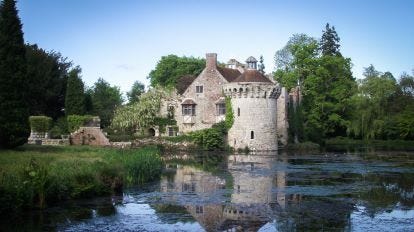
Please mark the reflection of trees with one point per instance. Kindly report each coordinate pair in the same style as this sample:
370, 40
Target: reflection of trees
47, 220
389, 191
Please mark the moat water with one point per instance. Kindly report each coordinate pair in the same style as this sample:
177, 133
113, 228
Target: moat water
339, 190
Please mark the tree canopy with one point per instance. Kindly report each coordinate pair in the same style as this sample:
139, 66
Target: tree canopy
14, 113
48, 72
105, 99
170, 68
142, 113
137, 89
329, 43
326, 82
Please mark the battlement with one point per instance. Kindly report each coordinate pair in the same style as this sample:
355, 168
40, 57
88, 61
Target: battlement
252, 90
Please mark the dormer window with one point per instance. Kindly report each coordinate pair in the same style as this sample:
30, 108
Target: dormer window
199, 89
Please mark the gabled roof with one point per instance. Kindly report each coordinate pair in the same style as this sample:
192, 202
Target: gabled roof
188, 102
251, 59
252, 75
183, 82
228, 73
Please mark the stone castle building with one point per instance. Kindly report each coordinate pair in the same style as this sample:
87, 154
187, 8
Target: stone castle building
259, 105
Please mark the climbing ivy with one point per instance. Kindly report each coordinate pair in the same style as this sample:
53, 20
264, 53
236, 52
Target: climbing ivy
229, 120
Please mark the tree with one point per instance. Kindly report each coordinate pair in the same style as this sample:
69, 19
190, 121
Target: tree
105, 99
293, 59
372, 103
172, 67
48, 73
142, 113
261, 65
137, 89
327, 86
329, 43
75, 98
14, 114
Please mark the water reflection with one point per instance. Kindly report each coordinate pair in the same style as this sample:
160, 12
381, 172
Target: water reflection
261, 192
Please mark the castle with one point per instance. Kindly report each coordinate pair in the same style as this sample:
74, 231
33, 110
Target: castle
259, 105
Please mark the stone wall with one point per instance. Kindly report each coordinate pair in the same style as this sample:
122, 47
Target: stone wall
255, 115
206, 113
89, 136
282, 116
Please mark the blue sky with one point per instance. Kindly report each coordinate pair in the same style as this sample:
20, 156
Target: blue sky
121, 41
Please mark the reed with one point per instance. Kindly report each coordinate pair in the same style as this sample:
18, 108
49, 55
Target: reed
37, 176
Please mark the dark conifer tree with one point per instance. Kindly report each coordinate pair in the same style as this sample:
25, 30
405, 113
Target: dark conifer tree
261, 65
14, 125
329, 43
75, 94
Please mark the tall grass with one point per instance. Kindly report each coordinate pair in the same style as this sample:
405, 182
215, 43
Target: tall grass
33, 177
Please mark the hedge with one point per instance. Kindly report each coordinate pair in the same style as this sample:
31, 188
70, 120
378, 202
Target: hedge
76, 121
40, 123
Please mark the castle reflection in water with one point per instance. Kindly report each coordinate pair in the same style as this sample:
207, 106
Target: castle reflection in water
248, 197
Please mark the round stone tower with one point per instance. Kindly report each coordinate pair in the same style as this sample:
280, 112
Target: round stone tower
254, 102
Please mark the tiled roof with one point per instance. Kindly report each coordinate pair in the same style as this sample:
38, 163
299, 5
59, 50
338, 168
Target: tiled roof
252, 75
184, 82
228, 73
188, 102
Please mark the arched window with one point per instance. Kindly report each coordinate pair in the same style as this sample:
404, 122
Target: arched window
251, 134
238, 111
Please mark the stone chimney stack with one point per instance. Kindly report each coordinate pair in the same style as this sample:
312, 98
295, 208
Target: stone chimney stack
211, 61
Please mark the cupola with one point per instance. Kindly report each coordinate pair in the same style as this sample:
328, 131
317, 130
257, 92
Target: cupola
251, 63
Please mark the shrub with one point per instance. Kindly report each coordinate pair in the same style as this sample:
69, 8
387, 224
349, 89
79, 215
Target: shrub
76, 121
40, 123
211, 138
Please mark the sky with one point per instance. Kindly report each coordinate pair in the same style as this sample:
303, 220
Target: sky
122, 41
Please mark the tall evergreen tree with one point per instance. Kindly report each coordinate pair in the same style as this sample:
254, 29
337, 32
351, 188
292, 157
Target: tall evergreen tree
329, 43
261, 65
14, 125
75, 93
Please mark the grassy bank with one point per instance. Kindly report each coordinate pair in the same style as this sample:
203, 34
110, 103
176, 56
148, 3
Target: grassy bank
37, 176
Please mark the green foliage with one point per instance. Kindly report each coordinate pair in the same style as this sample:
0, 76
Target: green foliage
296, 121
76, 121
48, 73
105, 99
40, 123
371, 119
163, 122
261, 65
141, 114
327, 86
172, 67
75, 98
35, 177
212, 138
60, 127
14, 114
229, 117
329, 43
136, 90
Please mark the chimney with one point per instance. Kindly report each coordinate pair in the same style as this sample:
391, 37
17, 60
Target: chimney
211, 61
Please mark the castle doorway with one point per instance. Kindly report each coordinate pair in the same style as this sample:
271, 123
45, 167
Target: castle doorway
151, 132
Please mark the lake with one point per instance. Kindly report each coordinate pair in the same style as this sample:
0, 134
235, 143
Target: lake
335, 190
